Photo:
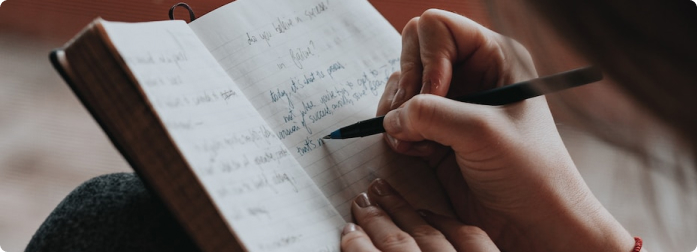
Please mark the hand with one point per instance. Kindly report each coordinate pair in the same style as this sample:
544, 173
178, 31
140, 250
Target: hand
505, 168
391, 224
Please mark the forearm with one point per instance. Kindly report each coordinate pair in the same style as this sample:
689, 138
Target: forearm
578, 222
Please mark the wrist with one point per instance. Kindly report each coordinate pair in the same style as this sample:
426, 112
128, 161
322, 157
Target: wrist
578, 223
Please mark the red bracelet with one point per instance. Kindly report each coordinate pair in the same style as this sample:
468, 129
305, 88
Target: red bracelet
637, 244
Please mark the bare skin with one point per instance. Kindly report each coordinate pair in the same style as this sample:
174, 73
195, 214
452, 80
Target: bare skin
507, 173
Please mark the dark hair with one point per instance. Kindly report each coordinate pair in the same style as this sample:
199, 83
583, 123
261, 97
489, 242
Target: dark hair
648, 47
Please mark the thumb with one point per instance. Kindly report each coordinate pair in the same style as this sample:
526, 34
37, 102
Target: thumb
463, 126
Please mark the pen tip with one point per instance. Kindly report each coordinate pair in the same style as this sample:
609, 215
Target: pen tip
327, 137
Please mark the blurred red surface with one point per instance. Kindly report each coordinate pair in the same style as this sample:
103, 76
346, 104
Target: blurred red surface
60, 20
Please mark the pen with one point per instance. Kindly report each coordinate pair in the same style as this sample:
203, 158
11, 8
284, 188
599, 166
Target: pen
499, 96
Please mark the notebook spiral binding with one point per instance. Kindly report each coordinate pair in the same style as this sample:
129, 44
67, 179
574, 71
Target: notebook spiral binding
192, 16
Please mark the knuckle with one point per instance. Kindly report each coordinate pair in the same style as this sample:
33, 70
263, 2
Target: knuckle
425, 230
508, 49
371, 214
396, 206
513, 45
431, 14
397, 239
521, 50
471, 232
409, 66
394, 76
494, 50
351, 239
413, 20
411, 26
432, 23
422, 111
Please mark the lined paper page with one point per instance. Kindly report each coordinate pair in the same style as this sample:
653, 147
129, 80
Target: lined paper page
310, 67
263, 193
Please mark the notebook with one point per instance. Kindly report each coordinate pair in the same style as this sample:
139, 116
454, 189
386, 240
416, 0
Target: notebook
223, 117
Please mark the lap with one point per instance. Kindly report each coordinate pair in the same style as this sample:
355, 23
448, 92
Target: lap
113, 212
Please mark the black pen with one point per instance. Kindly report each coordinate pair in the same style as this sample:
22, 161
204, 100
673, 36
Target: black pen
499, 96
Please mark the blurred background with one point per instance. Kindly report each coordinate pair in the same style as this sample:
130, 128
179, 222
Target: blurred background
49, 144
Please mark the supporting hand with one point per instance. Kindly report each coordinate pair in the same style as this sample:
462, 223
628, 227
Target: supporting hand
391, 224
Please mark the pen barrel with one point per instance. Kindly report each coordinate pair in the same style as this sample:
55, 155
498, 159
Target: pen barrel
495, 97
536, 87
364, 128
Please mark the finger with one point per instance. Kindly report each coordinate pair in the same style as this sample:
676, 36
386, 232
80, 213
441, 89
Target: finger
463, 237
385, 103
398, 146
404, 215
446, 38
431, 151
410, 63
354, 239
385, 235
454, 184
429, 117
417, 149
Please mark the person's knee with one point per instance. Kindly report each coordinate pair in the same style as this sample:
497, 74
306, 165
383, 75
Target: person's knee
112, 212
116, 193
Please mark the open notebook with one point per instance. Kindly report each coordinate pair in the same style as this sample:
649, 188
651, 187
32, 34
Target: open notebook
223, 117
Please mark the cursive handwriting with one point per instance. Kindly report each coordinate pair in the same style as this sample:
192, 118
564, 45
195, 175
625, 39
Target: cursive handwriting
234, 141
282, 242
302, 54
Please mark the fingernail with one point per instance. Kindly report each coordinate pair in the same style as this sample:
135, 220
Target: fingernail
382, 188
398, 98
362, 200
350, 227
393, 142
426, 87
423, 212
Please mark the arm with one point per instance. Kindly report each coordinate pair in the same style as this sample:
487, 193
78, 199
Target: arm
504, 168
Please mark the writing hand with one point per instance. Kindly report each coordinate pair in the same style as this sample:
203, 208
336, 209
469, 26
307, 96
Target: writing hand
389, 223
505, 168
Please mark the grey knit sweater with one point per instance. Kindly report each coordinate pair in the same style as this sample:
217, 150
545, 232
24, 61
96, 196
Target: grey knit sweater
113, 212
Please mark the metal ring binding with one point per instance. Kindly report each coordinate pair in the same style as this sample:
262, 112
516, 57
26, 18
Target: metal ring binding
192, 16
